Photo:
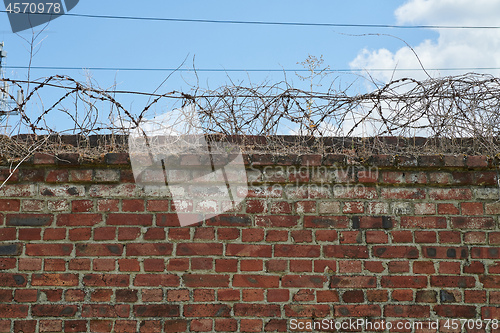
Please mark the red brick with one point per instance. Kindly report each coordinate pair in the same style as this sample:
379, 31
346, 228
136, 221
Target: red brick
30, 234
95, 250
361, 310
346, 251
104, 265
207, 310
350, 266
256, 281
201, 233
353, 296
178, 264
101, 325
71, 326
78, 219
206, 280
54, 234
252, 295
303, 281
475, 296
7, 233
25, 295
462, 222
353, 282
54, 265
106, 280
251, 325
178, 295
423, 267
327, 222
226, 295
475, 237
402, 236
407, 311
226, 325
256, 310
154, 265
453, 281
201, 325
450, 194
179, 233
82, 206
157, 280
73, 295
276, 221
132, 205
296, 251
49, 249
149, 249
105, 310
376, 237
251, 265
444, 252
425, 237
455, 311
304, 207
53, 310
9, 205
79, 264
193, 249
204, 295
125, 326
376, 295
129, 265
423, 222
277, 236
25, 326
101, 295
157, 205
404, 281
252, 235
409, 252
450, 237
81, 175
175, 325
152, 295
108, 205
79, 234
129, 219
399, 266
301, 265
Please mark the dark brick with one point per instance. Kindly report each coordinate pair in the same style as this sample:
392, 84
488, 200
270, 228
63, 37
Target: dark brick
30, 220
10, 249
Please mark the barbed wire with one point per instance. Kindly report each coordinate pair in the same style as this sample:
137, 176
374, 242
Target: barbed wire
444, 110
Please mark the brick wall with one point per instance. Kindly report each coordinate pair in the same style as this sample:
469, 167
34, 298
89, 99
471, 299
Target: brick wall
333, 237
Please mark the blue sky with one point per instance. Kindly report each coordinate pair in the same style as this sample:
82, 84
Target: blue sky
91, 42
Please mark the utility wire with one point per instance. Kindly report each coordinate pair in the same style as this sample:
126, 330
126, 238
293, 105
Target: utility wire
246, 70
304, 24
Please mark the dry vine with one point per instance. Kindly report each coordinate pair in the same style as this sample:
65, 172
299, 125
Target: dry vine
457, 114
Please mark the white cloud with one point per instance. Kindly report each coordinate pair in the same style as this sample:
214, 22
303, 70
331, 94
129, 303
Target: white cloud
453, 48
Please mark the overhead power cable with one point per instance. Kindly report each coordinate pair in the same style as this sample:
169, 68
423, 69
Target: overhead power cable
305, 24
246, 70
